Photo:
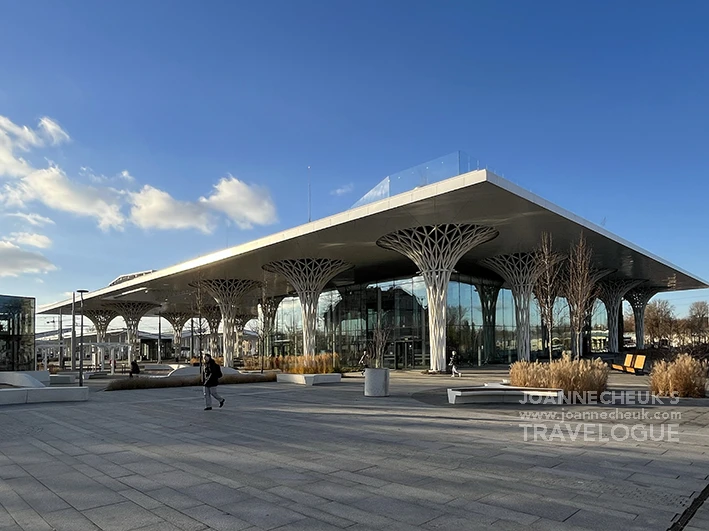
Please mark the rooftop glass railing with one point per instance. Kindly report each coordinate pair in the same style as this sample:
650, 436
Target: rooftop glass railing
435, 170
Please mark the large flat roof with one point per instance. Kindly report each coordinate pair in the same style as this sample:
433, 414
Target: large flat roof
479, 197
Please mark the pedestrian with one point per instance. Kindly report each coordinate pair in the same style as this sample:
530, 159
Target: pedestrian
134, 369
454, 365
212, 373
364, 362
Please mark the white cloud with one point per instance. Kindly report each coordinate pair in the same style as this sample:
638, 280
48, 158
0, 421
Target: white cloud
52, 130
33, 219
246, 205
31, 239
52, 187
343, 190
126, 176
15, 261
14, 138
156, 209
150, 208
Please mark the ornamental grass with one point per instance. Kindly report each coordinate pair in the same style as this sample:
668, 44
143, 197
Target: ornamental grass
318, 364
684, 376
159, 383
571, 376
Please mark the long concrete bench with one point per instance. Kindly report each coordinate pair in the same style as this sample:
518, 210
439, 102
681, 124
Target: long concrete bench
309, 379
34, 395
503, 394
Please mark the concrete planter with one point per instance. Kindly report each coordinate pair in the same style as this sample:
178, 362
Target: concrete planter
309, 379
376, 382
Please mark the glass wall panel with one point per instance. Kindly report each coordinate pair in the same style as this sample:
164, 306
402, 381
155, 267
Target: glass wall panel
599, 327
17, 333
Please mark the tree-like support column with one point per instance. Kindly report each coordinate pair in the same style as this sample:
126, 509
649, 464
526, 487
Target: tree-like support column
240, 320
638, 299
132, 312
177, 321
611, 292
229, 292
308, 276
101, 318
213, 316
488, 290
436, 249
269, 307
520, 271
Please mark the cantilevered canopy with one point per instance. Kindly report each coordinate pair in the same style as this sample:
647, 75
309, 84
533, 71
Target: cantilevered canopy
478, 197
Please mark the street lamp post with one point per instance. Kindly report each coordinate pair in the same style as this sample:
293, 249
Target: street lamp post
81, 340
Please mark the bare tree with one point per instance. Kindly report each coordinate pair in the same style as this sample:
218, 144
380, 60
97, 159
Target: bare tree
548, 286
660, 320
699, 320
580, 290
378, 343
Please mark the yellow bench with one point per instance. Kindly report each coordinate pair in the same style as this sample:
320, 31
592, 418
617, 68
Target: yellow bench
634, 364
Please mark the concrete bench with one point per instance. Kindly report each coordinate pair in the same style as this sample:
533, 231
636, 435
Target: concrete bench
62, 379
309, 379
503, 394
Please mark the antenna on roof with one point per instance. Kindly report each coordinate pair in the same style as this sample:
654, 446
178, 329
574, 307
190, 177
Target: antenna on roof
308, 194
603, 222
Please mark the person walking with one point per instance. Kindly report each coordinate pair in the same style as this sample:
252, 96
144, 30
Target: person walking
212, 373
454, 365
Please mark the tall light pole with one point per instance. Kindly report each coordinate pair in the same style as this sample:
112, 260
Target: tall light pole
81, 341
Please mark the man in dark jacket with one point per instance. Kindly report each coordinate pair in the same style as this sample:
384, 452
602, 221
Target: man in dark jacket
212, 373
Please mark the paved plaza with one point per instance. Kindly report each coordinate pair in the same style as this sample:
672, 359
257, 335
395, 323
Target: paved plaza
287, 457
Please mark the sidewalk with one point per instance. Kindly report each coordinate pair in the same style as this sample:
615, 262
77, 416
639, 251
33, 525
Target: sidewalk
287, 457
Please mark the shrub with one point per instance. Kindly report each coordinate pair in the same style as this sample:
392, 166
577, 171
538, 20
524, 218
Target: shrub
318, 364
158, 383
566, 374
684, 376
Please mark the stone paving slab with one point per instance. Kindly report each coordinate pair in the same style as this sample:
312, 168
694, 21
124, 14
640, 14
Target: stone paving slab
285, 457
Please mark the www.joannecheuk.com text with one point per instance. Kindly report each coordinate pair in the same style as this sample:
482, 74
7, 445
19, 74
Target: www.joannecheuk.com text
605, 398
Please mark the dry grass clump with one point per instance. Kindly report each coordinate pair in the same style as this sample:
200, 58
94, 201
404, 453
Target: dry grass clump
684, 376
566, 374
318, 364
158, 383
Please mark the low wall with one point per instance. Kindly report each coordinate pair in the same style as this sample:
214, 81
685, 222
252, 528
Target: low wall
35, 395
309, 379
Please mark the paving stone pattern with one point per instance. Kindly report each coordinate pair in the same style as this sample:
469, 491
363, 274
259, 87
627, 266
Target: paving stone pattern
287, 457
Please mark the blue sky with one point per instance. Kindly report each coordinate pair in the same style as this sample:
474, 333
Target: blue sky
184, 127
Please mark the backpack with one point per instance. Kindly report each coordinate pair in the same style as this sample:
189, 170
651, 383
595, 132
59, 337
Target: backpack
218, 371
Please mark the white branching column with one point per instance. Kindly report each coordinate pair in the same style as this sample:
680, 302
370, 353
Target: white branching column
611, 292
132, 312
308, 276
488, 292
240, 320
269, 307
101, 318
177, 321
520, 271
638, 299
213, 315
436, 249
229, 292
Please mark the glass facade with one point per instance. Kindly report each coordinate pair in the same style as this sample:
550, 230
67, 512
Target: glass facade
16, 333
348, 316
